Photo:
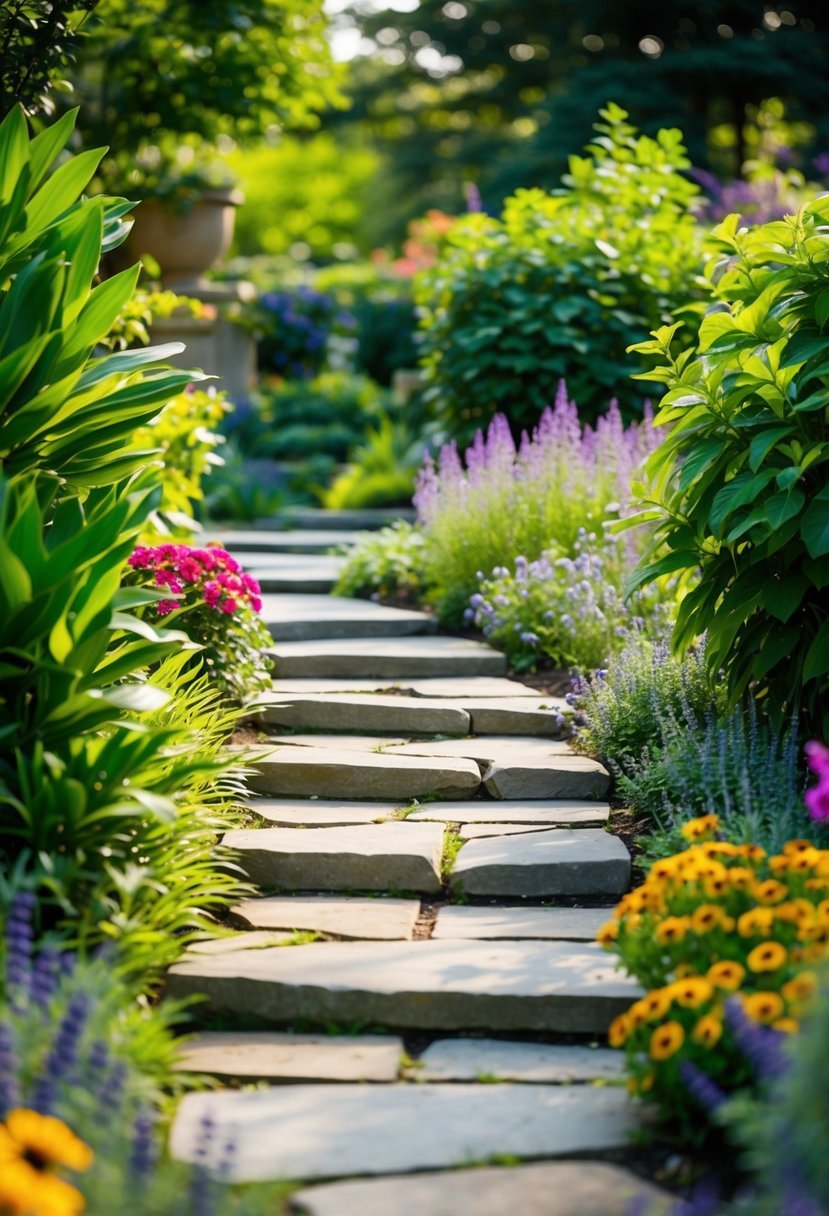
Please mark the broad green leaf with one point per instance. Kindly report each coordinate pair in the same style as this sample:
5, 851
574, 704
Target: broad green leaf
138, 698
45, 147
763, 443
781, 597
816, 663
815, 524
62, 189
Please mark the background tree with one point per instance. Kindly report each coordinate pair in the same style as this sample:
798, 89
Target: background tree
37, 39
501, 91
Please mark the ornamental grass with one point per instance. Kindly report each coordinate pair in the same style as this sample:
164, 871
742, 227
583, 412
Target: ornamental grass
715, 923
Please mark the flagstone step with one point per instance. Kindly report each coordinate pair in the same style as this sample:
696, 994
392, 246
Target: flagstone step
360, 518
422, 985
543, 864
239, 541
386, 658
291, 772
571, 776
269, 1056
348, 916
453, 688
489, 749
372, 713
456, 922
294, 572
567, 1188
530, 1063
374, 857
319, 813
301, 618
307, 1132
527, 812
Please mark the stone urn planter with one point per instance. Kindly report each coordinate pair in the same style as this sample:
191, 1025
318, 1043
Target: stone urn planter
185, 243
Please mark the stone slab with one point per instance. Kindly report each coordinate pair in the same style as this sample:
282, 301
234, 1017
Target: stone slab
372, 857
387, 658
259, 540
574, 812
530, 1063
308, 1132
426, 985
483, 831
553, 924
348, 916
541, 864
302, 772
316, 813
571, 777
269, 1056
567, 1188
240, 941
297, 618
489, 750
338, 742
295, 572
373, 713
454, 688
516, 715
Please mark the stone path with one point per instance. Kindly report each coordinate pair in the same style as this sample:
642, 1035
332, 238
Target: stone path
431, 865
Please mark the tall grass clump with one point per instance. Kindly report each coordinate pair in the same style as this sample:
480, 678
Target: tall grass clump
502, 500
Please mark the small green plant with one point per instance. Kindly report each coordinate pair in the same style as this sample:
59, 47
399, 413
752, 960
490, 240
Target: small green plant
452, 845
737, 492
381, 472
385, 563
558, 285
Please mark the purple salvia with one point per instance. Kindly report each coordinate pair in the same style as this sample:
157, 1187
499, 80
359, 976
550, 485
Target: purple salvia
701, 1087
9, 1070
762, 1046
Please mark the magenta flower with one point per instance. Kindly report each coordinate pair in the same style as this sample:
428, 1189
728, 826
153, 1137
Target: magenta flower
817, 798
229, 605
165, 607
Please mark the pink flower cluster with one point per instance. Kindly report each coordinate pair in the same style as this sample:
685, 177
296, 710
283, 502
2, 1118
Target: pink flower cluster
212, 572
817, 798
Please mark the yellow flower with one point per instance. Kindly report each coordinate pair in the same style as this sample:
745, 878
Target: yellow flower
608, 933
727, 975
801, 987
786, 1025
619, 1030
666, 1041
656, 1004
692, 992
707, 1031
43, 1141
763, 1007
671, 929
757, 922
706, 917
641, 1085
793, 847
740, 877
683, 970
769, 892
698, 829
767, 957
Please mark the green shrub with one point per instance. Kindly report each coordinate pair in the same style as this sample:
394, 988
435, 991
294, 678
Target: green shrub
560, 284
324, 416
738, 491
381, 472
384, 564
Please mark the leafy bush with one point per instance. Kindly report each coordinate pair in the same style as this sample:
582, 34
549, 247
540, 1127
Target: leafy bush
738, 489
716, 919
243, 490
569, 611
82, 1067
385, 564
208, 594
324, 416
381, 472
501, 501
558, 286
184, 437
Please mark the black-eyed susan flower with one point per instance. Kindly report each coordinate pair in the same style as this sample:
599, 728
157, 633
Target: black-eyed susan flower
764, 1007
666, 1041
767, 957
786, 1025
608, 933
700, 828
757, 922
671, 929
727, 975
693, 992
656, 1004
706, 917
707, 1031
769, 892
619, 1030
801, 988
32, 1146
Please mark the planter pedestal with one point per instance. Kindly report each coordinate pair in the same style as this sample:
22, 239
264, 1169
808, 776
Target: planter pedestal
214, 344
